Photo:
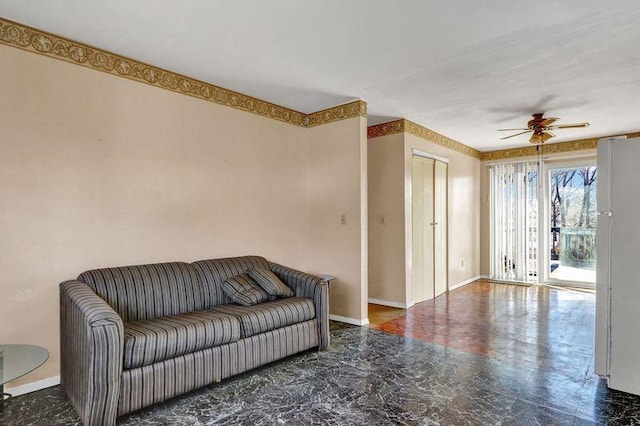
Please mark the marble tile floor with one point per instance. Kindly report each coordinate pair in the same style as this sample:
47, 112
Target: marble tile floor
373, 377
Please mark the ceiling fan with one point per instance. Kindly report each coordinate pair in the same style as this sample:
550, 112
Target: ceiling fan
541, 128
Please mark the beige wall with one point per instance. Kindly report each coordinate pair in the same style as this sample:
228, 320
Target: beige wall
390, 246
387, 272
550, 159
100, 171
338, 173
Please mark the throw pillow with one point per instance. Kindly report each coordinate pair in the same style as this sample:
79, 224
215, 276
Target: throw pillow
244, 291
270, 283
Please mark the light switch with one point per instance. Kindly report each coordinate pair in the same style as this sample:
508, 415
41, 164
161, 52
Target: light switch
383, 220
343, 219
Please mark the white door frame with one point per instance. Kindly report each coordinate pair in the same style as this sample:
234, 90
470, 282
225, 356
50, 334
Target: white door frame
420, 153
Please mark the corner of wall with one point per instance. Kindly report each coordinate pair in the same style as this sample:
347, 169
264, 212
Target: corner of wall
338, 212
386, 218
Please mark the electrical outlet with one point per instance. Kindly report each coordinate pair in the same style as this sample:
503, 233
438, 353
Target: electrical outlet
462, 263
343, 219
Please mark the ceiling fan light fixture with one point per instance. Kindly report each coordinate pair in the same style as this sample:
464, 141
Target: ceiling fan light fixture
541, 127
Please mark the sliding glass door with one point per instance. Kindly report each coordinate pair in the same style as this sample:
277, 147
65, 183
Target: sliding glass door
572, 224
563, 252
514, 193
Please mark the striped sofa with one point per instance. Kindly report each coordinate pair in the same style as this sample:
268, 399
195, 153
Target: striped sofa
137, 335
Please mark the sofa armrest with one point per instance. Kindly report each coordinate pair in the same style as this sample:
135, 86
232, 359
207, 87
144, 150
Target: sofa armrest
311, 287
91, 353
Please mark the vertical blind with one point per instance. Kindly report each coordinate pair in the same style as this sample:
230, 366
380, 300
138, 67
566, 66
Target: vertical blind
514, 221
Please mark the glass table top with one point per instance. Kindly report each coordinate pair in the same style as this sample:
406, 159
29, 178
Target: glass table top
18, 360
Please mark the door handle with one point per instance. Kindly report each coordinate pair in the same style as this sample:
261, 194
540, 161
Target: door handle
605, 213
433, 223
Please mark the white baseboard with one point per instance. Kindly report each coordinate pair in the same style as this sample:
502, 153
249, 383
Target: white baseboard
354, 321
463, 283
388, 303
511, 283
33, 386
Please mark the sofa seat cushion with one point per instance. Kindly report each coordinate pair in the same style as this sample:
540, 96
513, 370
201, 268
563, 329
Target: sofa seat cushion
269, 315
159, 339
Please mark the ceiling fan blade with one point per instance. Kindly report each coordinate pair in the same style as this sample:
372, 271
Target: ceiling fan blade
568, 126
549, 120
517, 134
510, 130
551, 134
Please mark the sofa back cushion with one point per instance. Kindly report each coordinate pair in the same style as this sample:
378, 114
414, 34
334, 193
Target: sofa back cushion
214, 272
148, 291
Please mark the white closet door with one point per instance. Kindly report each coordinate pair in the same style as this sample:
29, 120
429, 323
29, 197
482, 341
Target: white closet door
422, 212
440, 228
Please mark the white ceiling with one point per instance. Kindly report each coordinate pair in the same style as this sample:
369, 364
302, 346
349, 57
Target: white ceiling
463, 68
